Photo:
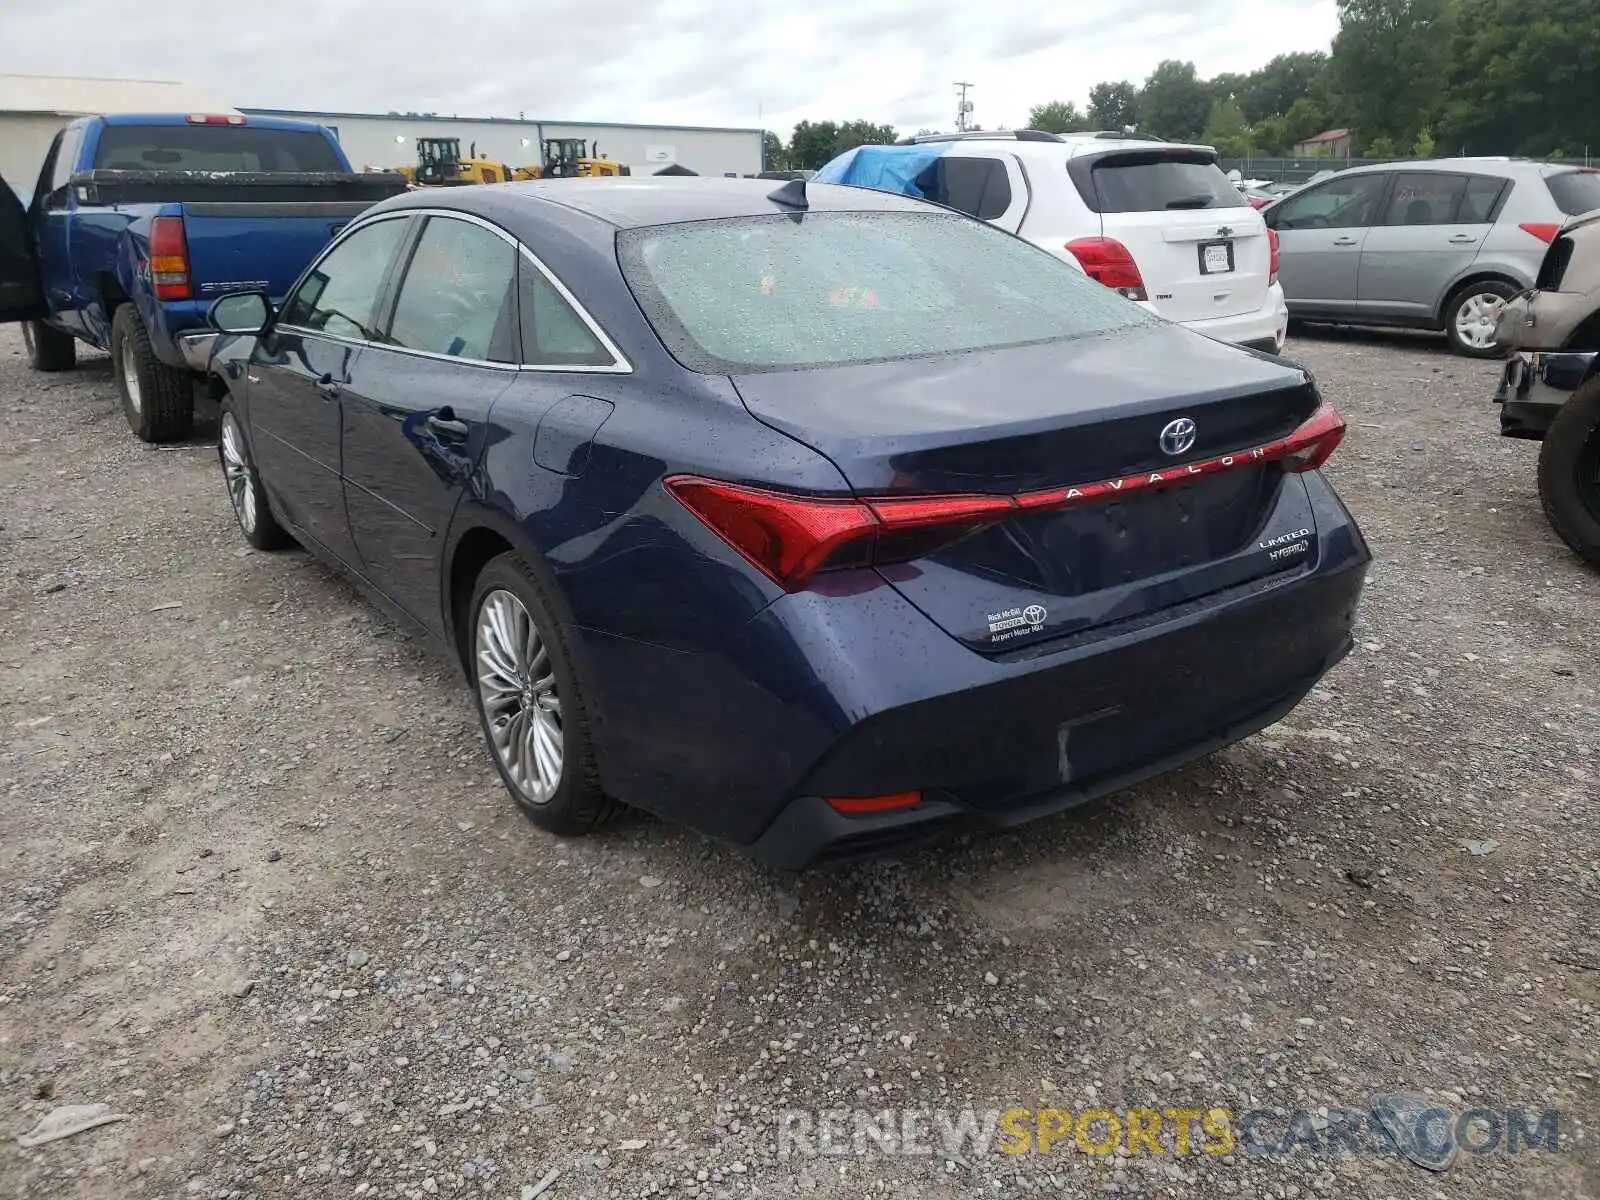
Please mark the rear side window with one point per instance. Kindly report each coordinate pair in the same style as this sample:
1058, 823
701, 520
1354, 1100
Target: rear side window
553, 334
1575, 191
457, 295
976, 186
1481, 204
1424, 198
1154, 182
772, 293
212, 148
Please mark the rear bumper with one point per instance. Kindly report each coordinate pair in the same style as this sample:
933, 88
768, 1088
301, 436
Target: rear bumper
1535, 384
856, 693
1263, 329
807, 832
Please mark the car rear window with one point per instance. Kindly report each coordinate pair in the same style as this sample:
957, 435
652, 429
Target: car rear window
826, 289
213, 148
1159, 180
1575, 191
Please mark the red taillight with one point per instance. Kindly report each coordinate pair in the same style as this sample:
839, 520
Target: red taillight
169, 259
1313, 444
1107, 261
215, 119
1544, 231
790, 538
862, 806
1272, 256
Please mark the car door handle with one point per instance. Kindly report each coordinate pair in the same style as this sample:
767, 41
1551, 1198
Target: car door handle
1463, 238
446, 428
1344, 241
327, 388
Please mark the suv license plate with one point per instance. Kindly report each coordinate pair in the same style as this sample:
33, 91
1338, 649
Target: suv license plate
1216, 258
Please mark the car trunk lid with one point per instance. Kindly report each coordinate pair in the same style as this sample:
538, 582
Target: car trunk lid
1040, 423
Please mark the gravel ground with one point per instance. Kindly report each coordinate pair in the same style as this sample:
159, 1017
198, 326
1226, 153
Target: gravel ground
263, 894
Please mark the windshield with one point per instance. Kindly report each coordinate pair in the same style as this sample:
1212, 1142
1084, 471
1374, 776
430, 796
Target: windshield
770, 293
213, 148
1155, 182
1575, 191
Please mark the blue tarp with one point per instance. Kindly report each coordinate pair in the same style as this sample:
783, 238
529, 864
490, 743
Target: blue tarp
883, 168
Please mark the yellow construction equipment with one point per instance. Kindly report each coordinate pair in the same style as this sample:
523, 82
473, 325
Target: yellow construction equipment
569, 158
439, 164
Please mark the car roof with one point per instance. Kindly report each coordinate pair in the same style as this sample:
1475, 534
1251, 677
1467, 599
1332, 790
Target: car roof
1512, 167
629, 202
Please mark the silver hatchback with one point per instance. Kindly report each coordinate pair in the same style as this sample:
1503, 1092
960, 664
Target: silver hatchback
1439, 244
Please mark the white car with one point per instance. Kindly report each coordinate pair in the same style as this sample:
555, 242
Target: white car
1157, 221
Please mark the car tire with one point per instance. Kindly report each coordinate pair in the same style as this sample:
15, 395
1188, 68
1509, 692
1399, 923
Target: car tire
158, 400
48, 348
251, 508
1466, 313
514, 641
1569, 472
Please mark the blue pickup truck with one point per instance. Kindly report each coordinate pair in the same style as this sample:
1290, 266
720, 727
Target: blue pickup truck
137, 223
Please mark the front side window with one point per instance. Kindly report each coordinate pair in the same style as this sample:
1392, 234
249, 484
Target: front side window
1425, 198
774, 293
457, 297
340, 295
1348, 203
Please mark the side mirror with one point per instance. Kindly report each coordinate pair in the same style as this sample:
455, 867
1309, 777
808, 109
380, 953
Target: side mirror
241, 312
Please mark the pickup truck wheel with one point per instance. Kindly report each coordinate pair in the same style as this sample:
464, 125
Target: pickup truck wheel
1471, 315
1569, 472
249, 498
49, 349
158, 400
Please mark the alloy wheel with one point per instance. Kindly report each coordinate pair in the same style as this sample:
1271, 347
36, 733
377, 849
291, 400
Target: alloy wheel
517, 687
236, 469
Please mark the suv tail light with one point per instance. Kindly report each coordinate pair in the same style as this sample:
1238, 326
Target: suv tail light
1545, 232
790, 538
1107, 261
169, 259
1272, 259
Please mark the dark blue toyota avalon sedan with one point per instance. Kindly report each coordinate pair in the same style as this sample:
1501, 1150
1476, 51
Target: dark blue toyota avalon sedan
814, 518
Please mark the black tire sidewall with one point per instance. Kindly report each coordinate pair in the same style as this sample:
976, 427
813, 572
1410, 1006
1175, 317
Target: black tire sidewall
48, 348
1497, 287
166, 410
1559, 455
573, 807
125, 329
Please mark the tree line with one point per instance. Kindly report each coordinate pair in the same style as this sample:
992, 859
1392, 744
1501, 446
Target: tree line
1519, 77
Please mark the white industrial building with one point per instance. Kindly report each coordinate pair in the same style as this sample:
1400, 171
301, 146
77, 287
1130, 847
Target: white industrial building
371, 140
34, 107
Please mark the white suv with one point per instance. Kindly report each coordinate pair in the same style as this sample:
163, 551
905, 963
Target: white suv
1157, 221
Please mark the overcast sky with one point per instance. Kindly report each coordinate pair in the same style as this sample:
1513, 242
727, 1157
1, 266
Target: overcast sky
705, 62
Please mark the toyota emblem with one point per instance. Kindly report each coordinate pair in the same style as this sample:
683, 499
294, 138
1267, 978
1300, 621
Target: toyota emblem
1034, 614
1178, 437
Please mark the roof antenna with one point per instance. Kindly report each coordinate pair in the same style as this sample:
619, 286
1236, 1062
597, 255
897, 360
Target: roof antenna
791, 194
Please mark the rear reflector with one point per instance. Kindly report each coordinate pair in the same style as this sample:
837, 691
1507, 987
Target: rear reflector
169, 259
861, 806
1545, 232
1108, 261
1272, 259
789, 538
216, 119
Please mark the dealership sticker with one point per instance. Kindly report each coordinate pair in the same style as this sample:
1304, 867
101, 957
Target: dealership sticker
1009, 623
